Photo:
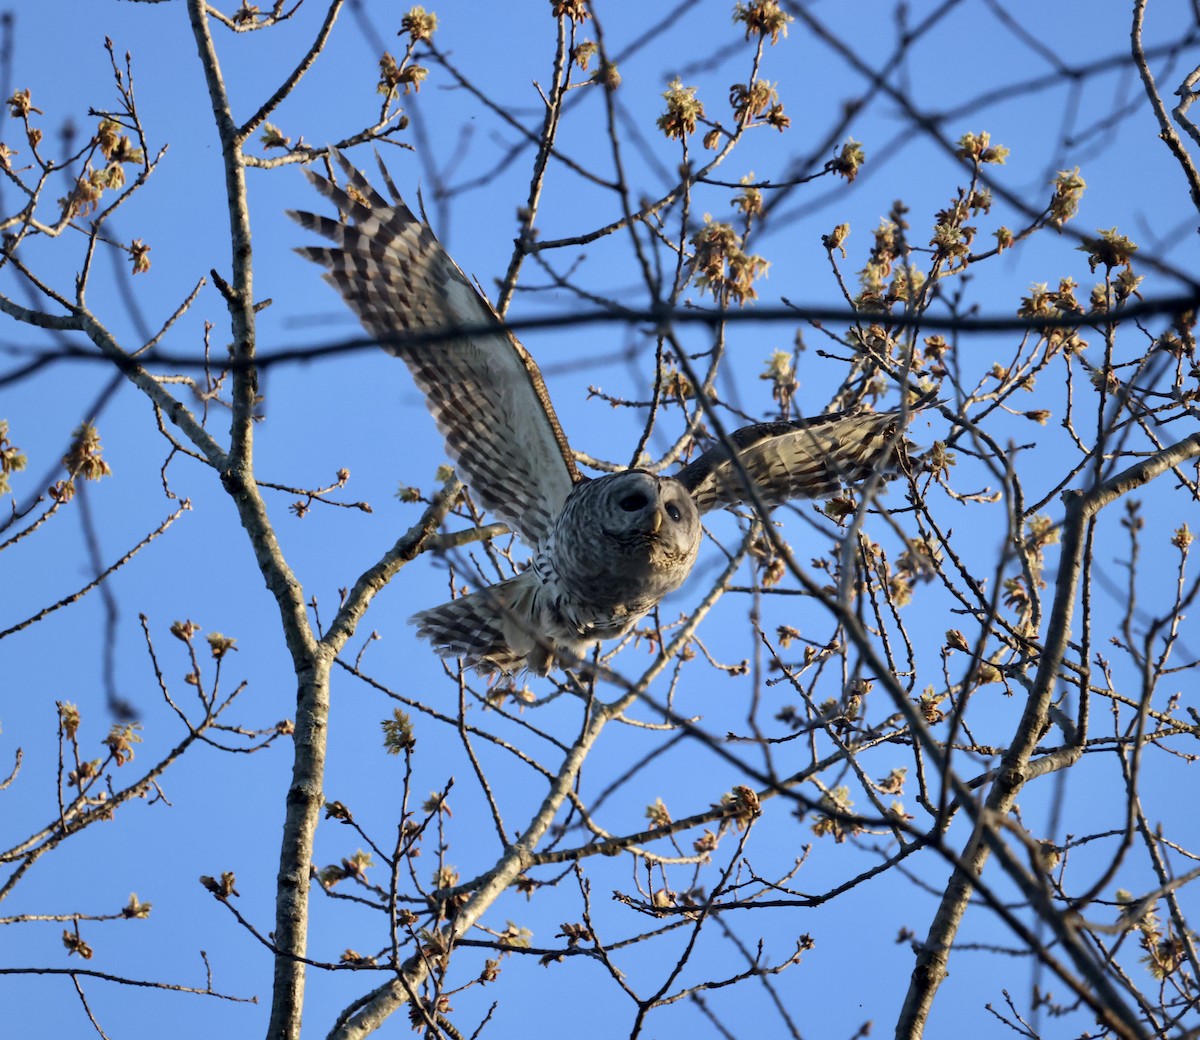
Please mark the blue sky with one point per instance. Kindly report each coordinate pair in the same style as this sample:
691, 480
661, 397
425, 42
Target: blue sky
360, 411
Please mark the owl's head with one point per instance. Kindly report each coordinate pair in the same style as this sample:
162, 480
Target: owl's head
621, 543
640, 510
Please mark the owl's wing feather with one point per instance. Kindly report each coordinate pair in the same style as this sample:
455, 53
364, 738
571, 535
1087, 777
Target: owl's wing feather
803, 458
484, 390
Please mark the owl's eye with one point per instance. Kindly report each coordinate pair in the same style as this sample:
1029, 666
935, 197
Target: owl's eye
632, 503
674, 513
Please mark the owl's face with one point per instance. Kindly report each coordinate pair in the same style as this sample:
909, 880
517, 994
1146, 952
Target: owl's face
624, 541
649, 517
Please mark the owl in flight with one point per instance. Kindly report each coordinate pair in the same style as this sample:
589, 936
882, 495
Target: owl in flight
606, 549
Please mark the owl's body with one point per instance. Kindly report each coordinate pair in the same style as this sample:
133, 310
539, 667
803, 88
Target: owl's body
605, 550
620, 544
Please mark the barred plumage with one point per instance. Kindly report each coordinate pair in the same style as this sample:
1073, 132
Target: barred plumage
605, 551
803, 458
485, 392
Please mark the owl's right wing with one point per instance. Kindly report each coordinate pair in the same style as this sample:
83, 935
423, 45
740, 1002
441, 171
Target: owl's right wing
484, 390
803, 458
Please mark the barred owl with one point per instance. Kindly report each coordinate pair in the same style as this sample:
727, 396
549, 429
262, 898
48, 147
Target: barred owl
605, 550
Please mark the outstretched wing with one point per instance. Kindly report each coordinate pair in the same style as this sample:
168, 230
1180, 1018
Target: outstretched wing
484, 390
805, 458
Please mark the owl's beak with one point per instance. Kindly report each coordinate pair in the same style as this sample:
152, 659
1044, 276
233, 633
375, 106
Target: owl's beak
656, 523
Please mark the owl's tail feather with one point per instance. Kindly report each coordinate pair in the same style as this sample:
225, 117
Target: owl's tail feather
493, 630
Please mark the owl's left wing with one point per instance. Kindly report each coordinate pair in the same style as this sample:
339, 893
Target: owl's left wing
804, 458
484, 390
